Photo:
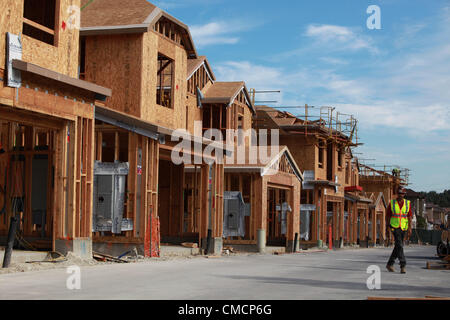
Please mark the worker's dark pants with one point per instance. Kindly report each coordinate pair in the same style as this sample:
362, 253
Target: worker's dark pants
398, 252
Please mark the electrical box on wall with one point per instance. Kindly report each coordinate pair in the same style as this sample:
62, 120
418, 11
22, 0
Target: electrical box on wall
109, 198
234, 213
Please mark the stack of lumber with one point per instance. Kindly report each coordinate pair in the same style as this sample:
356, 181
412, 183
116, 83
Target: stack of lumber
106, 258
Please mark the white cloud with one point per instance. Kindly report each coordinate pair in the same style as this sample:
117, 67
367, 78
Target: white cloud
334, 61
406, 91
218, 32
340, 38
412, 119
256, 76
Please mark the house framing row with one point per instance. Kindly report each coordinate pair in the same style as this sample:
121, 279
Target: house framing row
112, 95
334, 207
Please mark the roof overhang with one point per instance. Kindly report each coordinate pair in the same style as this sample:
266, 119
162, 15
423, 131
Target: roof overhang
157, 14
101, 93
266, 169
324, 183
292, 163
112, 30
354, 198
146, 26
229, 100
129, 123
208, 69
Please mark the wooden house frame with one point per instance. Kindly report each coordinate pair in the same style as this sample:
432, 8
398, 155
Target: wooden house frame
266, 187
200, 78
378, 230
47, 132
146, 50
323, 157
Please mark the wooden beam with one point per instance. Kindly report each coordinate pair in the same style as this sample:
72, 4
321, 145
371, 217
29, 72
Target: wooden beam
38, 26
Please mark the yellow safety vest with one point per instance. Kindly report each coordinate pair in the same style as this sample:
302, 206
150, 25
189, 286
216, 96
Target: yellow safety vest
399, 216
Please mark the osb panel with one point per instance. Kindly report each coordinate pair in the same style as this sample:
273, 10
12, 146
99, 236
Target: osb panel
370, 186
167, 48
115, 62
194, 113
175, 117
62, 58
10, 21
303, 150
282, 179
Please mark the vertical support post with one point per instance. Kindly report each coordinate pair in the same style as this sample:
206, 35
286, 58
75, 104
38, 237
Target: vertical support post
261, 242
210, 195
10, 242
295, 242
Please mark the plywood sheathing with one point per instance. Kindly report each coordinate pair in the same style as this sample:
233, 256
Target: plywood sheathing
115, 62
175, 117
61, 57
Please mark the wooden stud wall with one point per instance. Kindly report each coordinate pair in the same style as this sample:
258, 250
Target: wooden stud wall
149, 182
70, 202
258, 199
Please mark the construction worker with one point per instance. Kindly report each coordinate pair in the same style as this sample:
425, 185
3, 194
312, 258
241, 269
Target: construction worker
399, 215
396, 172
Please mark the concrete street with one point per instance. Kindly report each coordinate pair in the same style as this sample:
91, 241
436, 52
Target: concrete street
333, 275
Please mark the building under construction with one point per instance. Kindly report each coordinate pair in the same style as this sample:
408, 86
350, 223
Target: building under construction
86, 157
335, 207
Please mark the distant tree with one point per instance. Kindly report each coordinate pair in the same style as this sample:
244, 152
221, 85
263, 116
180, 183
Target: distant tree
440, 199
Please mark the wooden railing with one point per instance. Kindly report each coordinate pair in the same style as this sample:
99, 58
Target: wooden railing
38, 26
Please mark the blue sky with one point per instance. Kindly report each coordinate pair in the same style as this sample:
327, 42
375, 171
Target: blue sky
396, 80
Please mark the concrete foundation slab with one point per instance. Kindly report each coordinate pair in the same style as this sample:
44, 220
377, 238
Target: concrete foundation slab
19, 256
216, 246
178, 251
81, 247
254, 249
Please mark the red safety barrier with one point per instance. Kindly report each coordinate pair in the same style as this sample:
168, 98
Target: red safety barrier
152, 238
